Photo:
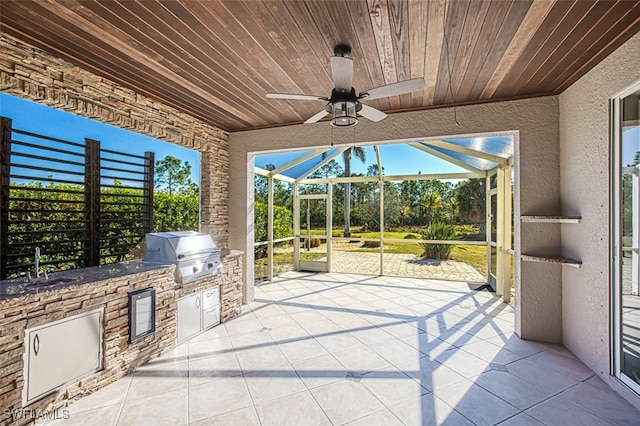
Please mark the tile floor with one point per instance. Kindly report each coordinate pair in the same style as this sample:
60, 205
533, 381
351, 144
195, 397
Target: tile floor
334, 349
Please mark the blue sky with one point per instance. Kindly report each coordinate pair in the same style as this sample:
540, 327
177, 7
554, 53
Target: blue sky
630, 145
397, 159
37, 118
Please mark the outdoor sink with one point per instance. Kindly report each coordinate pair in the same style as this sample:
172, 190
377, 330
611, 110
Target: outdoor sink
50, 281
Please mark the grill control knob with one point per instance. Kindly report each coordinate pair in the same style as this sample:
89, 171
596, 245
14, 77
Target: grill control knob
209, 265
195, 269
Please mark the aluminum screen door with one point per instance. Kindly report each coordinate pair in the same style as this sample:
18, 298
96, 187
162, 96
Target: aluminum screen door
312, 232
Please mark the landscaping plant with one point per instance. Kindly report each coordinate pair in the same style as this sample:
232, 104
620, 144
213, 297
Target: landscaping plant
438, 231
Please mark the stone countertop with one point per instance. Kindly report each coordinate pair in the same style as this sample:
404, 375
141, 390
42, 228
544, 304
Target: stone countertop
10, 289
231, 253
13, 288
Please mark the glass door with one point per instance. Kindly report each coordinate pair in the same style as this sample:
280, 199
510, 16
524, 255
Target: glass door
626, 244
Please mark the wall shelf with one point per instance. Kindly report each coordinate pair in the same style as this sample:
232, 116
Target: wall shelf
552, 259
550, 219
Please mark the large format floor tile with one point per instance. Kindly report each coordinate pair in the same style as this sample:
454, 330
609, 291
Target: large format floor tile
297, 409
168, 409
345, 401
211, 399
338, 349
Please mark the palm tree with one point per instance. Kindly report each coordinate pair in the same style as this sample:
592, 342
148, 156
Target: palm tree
359, 153
431, 202
453, 206
404, 214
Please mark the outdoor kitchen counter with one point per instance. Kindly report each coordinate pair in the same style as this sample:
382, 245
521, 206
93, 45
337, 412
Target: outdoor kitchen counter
19, 287
70, 294
58, 280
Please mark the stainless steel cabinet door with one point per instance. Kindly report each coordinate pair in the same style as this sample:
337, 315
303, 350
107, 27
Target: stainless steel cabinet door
189, 316
210, 307
61, 352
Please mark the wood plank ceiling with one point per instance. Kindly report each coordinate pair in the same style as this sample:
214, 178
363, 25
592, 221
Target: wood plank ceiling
216, 60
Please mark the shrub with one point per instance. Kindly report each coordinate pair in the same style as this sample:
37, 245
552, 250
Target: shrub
310, 243
411, 237
469, 233
370, 244
438, 231
282, 222
282, 225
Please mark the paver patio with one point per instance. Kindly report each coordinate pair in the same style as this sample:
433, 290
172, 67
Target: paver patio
403, 265
333, 349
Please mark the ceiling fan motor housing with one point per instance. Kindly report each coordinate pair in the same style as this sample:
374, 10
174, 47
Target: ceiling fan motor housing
342, 49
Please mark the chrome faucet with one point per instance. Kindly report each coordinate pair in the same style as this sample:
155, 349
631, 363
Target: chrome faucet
37, 262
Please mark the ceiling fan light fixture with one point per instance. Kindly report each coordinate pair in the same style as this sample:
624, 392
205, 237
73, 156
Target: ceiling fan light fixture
343, 114
344, 104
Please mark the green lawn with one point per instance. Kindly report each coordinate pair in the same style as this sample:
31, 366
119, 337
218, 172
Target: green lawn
474, 255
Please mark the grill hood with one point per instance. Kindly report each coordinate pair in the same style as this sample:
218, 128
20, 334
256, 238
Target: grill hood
194, 253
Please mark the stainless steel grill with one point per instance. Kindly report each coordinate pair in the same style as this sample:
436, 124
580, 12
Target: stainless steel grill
194, 253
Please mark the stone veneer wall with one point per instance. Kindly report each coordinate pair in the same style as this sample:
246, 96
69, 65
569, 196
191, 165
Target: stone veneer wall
230, 288
30, 73
119, 357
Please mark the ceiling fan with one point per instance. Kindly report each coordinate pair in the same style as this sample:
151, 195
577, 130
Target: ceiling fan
344, 103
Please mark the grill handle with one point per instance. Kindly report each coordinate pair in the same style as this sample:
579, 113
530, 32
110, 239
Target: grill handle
200, 253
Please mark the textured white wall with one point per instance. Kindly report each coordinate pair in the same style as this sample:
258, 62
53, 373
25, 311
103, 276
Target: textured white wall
585, 190
537, 177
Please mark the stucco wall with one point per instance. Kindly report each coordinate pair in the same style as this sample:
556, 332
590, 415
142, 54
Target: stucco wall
585, 190
537, 176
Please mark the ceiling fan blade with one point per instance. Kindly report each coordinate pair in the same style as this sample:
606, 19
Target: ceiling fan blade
393, 89
296, 97
342, 72
371, 113
316, 117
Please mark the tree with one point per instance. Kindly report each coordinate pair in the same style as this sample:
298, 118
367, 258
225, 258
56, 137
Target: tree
372, 170
176, 212
359, 153
282, 225
431, 202
171, 175
261, 185
331, 169
470, 195
452, 207
404, 214
176, 203
410, 196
